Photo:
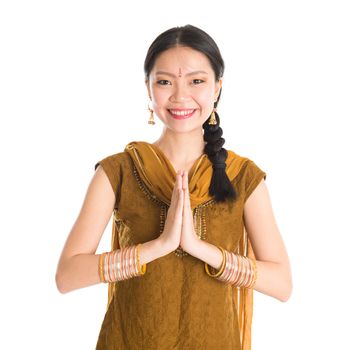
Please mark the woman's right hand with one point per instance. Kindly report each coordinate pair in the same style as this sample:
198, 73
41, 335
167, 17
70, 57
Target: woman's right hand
171, 234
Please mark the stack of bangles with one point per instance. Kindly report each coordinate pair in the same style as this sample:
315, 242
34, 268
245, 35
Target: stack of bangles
237, 270
120, 264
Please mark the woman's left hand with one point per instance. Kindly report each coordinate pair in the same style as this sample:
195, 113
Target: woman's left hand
189, 238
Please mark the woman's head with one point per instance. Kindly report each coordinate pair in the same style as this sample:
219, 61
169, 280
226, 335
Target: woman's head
182, 79
173, 81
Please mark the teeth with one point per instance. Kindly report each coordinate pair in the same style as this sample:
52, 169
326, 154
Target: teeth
189, 111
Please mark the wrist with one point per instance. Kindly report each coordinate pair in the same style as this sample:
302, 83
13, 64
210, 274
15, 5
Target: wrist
196, 247
164, 247
152, 250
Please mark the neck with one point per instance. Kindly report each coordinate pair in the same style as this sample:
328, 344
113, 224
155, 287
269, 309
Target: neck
181, 148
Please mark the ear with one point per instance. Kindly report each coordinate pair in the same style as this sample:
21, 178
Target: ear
148, 88
218, 86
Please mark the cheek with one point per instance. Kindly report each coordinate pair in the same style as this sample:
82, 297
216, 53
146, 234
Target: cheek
160, 97
204, 98
205, 105
207, 94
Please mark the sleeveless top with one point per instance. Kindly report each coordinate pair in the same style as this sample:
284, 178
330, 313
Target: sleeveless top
175, 304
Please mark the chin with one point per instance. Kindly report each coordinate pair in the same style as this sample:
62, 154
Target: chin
188, 128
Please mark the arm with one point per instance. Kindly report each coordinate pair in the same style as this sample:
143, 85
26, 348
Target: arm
274, 273
78, 263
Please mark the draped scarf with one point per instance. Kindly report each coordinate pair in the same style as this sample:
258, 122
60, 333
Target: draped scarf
159, 175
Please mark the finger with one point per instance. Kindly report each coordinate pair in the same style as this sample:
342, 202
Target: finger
185, 180
187, 200
181, 192
180, 198
176, 186
179, 179
179, 204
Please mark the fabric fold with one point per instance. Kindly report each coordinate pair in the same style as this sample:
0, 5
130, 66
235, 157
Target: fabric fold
159, 175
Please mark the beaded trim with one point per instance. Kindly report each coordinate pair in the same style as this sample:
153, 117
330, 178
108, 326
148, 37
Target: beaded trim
198, 212
145, 190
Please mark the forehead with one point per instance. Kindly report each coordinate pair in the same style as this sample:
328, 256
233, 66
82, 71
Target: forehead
185, 59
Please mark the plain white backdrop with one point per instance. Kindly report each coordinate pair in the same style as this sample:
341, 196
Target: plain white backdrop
72, 92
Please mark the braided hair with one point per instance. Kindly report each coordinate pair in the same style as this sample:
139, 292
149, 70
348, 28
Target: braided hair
190, 36
220, 185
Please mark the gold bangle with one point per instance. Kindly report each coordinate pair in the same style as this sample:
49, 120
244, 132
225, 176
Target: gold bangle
222, 267
255, 269
100, 265
120, 264
250, 274
142, 269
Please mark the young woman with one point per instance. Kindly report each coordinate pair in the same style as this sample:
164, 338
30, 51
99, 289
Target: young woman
193, 228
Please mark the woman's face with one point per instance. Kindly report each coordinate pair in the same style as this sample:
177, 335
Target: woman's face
174, 85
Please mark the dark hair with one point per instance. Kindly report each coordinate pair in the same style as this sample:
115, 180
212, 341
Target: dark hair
195, 38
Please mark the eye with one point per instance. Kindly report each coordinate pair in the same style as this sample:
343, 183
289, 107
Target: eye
198, 80
159, 82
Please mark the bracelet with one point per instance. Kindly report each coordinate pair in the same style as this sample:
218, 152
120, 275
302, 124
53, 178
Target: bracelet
213, 274
120, 264
142, 268
100, 267
236, 270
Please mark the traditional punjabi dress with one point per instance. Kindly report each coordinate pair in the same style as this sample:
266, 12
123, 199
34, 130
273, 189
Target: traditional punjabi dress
176, 304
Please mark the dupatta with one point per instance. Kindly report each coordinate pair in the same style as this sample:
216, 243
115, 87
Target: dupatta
159, 175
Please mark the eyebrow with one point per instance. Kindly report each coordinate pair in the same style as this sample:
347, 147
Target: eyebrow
173, 75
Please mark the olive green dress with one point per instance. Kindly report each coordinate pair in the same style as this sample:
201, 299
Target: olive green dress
175, 304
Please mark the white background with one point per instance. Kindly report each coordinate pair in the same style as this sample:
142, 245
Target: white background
72, 92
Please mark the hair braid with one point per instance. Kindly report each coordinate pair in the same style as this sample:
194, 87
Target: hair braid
220, 185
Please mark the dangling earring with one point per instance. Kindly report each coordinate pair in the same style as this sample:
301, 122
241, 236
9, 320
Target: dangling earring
212, 120
151, 118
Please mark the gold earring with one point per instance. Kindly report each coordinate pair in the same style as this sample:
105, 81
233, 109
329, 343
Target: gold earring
151, 118
212, 120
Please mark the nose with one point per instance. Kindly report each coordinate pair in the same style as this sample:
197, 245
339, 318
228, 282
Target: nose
180, 92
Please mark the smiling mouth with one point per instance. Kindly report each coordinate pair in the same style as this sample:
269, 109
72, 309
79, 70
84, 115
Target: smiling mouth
181, 114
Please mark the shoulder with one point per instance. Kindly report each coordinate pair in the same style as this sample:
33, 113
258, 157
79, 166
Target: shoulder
114, 166
249, 173
113, 160
243, 163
